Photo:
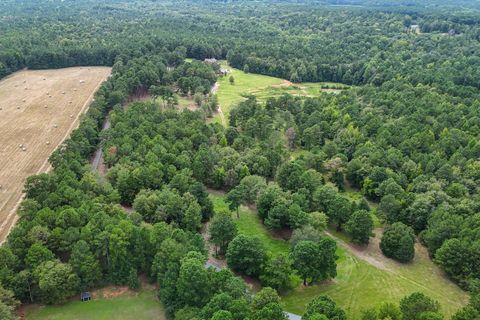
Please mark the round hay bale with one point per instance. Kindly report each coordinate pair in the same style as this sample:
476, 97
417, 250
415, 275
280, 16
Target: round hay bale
24, 149
20, 145
48, 143
71, 116
63, 92
18, 107
24, 100
26, 88
45, 106
55, 125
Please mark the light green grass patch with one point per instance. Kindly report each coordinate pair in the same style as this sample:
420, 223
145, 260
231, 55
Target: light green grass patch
230, 95
142, 306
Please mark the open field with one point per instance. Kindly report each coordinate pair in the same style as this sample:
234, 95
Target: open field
262, 87
39, 109
365, 277
143, 305
230, 95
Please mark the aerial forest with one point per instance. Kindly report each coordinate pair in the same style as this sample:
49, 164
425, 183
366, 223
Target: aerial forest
404, 135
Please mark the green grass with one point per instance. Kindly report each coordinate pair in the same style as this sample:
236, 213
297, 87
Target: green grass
142, 306
359, 284
230, 95
249, 224
306, 89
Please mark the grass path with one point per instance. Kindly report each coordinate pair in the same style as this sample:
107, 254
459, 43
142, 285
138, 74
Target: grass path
360, 282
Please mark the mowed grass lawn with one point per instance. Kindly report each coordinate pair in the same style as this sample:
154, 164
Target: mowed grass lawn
141, 306
359, 284
230, 95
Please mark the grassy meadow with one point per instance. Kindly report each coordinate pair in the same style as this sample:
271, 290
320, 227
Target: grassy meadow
230, 95
143, 305
263, 87
359, 283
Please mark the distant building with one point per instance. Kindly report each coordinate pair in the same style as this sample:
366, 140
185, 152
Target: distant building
415, 28
212, 60
224, 72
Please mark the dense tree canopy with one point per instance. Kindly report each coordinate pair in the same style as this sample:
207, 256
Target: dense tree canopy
405, 134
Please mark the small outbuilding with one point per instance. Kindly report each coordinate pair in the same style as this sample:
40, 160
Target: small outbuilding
85, 296
211, 60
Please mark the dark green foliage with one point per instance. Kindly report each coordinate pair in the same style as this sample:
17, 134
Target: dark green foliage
276, 273
323, 306
266, 306
222, 230
360, 226
56, 282
246, 254
85, 265
398, 242
315, 261
418, 306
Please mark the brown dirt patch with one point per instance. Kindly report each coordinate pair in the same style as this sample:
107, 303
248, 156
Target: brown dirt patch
285, 83
39, 110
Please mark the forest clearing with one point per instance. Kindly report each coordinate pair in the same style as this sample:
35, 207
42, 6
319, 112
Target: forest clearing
262, 87
39, 109
129, 305
387, 282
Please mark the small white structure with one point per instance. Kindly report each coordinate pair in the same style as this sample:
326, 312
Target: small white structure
212, 60
415, 28
55, 125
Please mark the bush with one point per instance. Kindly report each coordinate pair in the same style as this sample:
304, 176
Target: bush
398, 242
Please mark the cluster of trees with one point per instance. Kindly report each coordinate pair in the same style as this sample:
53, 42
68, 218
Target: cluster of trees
363, 45
408, 139
412, 149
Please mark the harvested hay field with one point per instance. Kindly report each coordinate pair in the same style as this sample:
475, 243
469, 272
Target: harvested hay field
38, 110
